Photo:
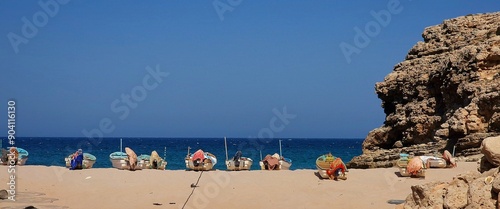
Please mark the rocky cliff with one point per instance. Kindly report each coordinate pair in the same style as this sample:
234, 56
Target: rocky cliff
444, 95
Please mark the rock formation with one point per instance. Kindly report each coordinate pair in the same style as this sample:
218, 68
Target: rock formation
470, 190
444, 95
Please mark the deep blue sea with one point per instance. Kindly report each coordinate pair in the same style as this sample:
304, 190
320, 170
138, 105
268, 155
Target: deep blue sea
51, 151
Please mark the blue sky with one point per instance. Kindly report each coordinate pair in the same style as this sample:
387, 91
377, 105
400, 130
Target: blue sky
229, 71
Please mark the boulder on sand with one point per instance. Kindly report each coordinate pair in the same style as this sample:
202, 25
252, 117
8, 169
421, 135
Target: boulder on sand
490, 147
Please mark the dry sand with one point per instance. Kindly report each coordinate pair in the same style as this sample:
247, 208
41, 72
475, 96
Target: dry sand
57, 187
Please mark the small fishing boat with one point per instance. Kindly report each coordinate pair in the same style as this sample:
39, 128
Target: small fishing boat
152, 161
145, 161
21, 158
200, 161
156, 162
88, 160
238, 162
275, 162
120, 160
323, 164
405, 164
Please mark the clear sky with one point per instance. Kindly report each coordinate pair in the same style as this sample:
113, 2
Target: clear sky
216, 68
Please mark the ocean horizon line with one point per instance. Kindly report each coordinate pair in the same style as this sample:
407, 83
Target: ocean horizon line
160, 137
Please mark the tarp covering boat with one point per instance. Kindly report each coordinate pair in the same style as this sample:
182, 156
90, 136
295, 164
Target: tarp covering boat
132, 158
324, 162
270, 161
200, 160
338, 164
328, 164
198, 157
415, 165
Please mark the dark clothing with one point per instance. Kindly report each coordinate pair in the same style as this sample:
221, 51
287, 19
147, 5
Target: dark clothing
236, 159
77, 162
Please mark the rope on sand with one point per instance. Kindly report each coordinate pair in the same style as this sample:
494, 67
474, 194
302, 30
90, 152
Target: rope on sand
192, 191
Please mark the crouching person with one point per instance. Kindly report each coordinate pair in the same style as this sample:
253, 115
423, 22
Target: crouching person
77, 160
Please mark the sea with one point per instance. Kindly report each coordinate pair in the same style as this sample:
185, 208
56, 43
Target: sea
51, 151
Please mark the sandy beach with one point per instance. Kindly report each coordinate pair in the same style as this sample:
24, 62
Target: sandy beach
57, 187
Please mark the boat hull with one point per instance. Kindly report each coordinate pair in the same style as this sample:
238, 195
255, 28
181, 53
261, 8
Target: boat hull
282, 165
323, 163
322, 173
119, 161
206, 165
21, 159
147, 164
88, 161
404, 173
245, 164
402, 163
123, 164
437, 163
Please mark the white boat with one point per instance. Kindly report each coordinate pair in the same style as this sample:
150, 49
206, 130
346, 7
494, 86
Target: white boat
436, 162
275, 162
88, 160
146, 162
238, 162
120, 160
200, 161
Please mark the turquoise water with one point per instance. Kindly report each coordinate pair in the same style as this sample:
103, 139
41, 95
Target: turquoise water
303, 152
